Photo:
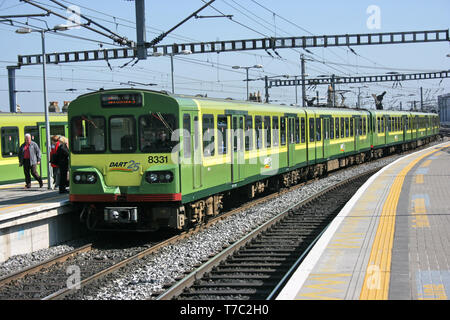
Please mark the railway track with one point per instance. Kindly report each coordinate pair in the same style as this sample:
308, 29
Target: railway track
257, 265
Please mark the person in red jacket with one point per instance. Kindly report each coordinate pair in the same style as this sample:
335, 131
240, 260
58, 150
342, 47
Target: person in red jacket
53, 161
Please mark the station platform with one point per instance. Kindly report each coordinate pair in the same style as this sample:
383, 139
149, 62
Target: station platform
33, 219
390, 242
16, 200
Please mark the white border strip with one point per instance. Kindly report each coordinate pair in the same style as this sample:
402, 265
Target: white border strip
297, 280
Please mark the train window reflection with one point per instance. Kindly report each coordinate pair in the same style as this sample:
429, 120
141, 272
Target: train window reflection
155, 132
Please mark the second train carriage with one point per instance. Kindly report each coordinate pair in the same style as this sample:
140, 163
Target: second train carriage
13, 127
142, 159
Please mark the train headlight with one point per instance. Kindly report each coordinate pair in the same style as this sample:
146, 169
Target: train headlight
85, 177
159, 177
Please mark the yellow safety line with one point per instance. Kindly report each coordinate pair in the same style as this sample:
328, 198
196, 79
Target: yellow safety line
376, 280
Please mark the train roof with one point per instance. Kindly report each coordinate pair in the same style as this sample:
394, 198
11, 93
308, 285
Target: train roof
282, 107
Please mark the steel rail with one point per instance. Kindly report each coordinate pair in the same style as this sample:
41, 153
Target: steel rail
197, 274
45, 264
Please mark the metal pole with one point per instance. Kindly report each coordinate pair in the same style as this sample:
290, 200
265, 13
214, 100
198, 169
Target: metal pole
296, 95
171, 66
421, 99
302, 57
246, 69
47, 124
12, 88
333, 93
266, 86
140, 30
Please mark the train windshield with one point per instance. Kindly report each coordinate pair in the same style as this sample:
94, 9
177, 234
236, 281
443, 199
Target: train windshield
88, 134
155, 132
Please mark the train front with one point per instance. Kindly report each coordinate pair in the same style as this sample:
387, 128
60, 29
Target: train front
124, 173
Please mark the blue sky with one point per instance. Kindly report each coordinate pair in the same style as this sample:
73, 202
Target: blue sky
212, 73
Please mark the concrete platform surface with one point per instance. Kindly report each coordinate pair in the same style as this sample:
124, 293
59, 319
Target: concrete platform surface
390, 242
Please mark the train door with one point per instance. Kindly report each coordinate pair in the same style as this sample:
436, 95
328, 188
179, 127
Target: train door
386, 129
404, 127
291, 142
191, 157
319, 138
237, 147
326, 137
358, 125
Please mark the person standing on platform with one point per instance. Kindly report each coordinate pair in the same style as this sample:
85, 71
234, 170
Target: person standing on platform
62, 156
53, 160
29, 158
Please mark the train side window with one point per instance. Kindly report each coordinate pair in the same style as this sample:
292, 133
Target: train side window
222, 135
248, 133
303, 130
331, 128
364, 126
379, 124
34, 132
10, 141
276, 132
297, 130
318, 129
187, 135
311, 130
268, 131
208, 135
283, 130
337, 127
342, 128
347, 127
259, 132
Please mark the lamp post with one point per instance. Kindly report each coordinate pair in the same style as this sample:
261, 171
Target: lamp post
47, 122
256, 66
158, 54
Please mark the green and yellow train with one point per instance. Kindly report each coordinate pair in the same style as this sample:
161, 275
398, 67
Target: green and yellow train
143, 159
13, 127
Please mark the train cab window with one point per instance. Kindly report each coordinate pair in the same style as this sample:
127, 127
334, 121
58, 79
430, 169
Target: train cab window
276, 132
336, 122
342, 128
259, 132
10, 141
303, 130
155, 132
283, 130
311, 130
122, 134
297, 130
331, 128
248, 133
222, 137
347, 127
208, 135
268, 131
318, 129
34, 132
351, 127
187, 136
88, 134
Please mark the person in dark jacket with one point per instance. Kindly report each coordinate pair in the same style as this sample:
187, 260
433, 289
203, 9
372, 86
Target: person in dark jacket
29, 158
62, 160
55, 168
